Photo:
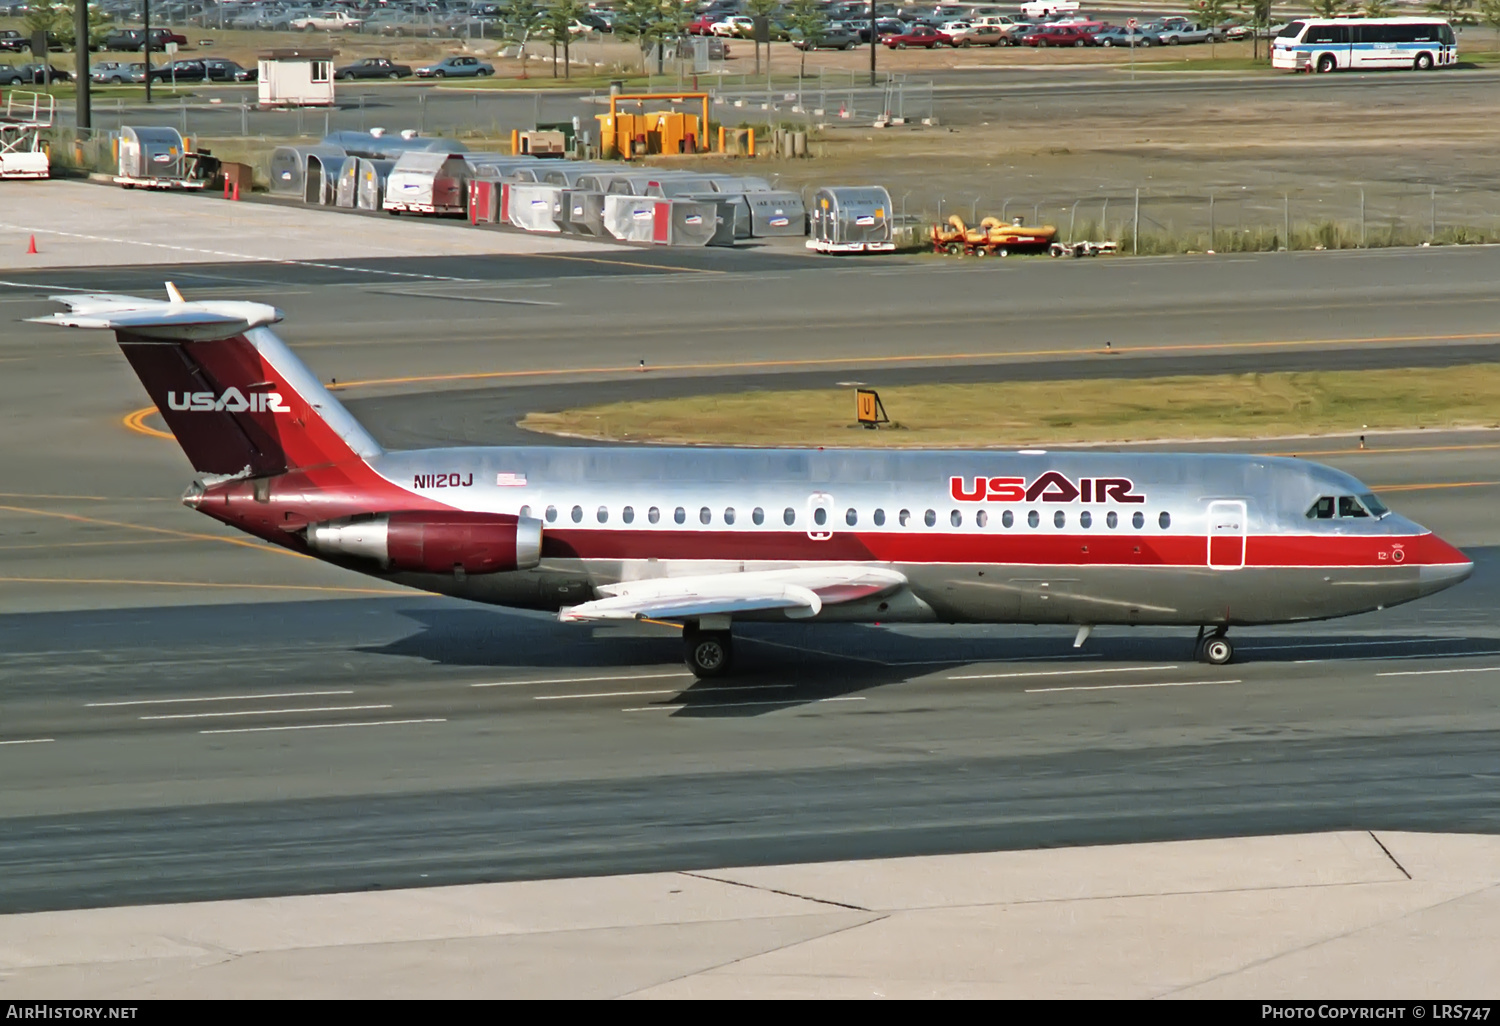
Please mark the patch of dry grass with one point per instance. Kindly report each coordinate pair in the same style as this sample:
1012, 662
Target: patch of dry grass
1096, 410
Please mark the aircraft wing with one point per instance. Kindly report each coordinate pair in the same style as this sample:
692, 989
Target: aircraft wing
801, 593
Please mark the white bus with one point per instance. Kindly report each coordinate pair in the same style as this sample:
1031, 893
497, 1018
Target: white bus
1323, 45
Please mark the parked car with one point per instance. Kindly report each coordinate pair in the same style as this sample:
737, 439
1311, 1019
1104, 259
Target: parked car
1048, 8
1118, 35
1058, 35
703, 26
135, 39
12, 41
967, 33
180, 71
918, 35
222, 70
457, 67
834, 37
31, 74
118, 72
1186, 32
373, 67
860, 28
735, 25
327, 21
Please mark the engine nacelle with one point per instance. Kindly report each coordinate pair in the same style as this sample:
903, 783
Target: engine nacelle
435, 543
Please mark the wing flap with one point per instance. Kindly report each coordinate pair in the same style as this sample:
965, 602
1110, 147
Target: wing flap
801, 593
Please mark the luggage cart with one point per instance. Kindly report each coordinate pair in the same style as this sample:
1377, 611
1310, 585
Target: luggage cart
23, 154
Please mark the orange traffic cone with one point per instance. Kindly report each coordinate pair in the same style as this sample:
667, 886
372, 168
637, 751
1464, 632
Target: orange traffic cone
31, 249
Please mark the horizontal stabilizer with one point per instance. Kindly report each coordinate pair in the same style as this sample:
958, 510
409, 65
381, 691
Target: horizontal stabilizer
171, 319
801, 593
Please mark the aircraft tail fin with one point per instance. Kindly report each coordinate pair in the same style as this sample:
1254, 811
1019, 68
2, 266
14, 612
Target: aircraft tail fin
236, 398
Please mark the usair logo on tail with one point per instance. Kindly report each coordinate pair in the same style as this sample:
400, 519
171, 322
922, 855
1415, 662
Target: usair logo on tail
232, 401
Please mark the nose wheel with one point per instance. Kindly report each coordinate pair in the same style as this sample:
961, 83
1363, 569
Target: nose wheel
1216, 649
707, 653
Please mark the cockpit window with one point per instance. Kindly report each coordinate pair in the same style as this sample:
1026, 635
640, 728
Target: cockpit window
1346, 507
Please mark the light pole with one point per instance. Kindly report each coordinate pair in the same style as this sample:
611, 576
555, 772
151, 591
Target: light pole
874, 42
146, 48
84, 110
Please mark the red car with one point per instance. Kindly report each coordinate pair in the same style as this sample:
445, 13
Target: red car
917, 35
703, 26
1060, 35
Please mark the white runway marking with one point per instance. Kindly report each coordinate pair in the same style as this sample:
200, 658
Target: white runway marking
1061, 673
1414, 655
215, 698
318, 726
582, 680
1117, 687
663, 691
1424, 673
29, 741
734, 705
1342, 644
265, 712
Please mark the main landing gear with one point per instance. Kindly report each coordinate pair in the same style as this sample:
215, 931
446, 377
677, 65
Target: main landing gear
1216, 649
707, 653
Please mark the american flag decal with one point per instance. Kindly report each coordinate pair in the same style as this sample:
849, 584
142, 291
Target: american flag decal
511, 480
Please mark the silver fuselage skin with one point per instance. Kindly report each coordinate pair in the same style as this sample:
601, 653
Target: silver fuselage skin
1283, 567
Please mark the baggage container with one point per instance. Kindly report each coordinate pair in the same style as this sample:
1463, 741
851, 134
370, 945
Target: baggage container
427, 182
583, 213
289, 167
534, 206
370, 191
151, 153
776, 213
663, 222
851, 219
484, 201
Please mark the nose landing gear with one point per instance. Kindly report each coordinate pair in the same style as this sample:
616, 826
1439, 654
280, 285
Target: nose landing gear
1216, 649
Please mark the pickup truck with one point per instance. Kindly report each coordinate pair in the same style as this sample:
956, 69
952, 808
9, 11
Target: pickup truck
327, 21
1048, 8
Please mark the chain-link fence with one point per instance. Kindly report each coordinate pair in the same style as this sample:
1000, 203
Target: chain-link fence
1231, 218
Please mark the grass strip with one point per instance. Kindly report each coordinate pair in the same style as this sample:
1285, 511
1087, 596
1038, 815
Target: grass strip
1007, 415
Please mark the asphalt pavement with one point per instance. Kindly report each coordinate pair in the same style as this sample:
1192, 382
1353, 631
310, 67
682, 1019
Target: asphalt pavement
190, 715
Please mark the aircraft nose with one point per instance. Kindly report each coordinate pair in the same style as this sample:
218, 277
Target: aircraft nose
1435, 577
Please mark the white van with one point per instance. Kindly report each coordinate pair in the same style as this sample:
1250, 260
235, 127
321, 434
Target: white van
1048, 8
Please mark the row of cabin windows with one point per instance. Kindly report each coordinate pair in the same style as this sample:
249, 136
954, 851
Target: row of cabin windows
851, 517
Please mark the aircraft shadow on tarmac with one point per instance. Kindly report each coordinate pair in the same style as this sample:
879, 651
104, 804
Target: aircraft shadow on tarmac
783, 666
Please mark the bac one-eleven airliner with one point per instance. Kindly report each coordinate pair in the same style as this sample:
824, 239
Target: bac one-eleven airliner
704, 537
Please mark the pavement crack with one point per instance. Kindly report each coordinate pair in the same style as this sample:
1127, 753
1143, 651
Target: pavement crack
773, 890
1388, 854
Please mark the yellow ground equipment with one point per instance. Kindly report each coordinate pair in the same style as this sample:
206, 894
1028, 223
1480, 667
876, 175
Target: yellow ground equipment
992, 236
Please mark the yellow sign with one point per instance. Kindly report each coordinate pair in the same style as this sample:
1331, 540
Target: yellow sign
868, 409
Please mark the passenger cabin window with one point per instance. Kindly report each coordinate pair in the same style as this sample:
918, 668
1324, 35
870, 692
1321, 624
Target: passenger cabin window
705, 515
880, 518
820, 516
1164, 521
729, 515
654, 515
551, 514
981, 519
1033, 518
525, 511
904, 517
758, 515
1059, 519
603, 514
1111, 520
628, 514
1138, 521
930, 518
1085, 520
577, 514
851, 517
789, 517
1007, 519
679, 515
956, 518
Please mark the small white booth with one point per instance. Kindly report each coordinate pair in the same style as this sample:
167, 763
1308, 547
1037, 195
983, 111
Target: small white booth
296, 78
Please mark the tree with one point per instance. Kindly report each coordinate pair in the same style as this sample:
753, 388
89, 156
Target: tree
1329, 8
1453, 10
762, 9
558, 26
64, 26
1212, 13
1259, 12
519, 21
1489, 13
807, 18
1378, 8
650, 22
